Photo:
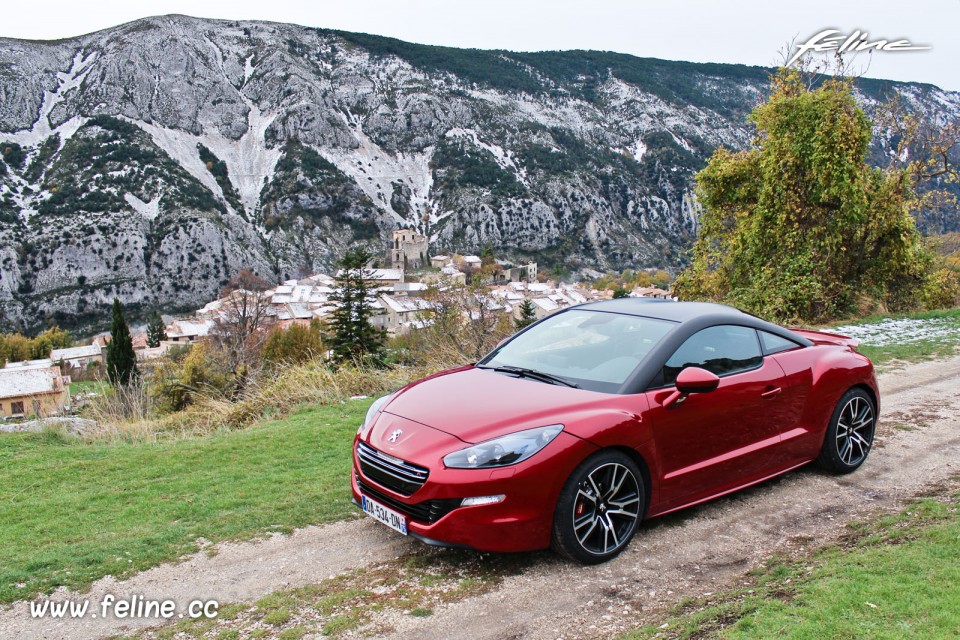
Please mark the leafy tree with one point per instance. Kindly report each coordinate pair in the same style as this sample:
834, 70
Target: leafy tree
800, 226
52, 338
156, 330
121, 359
15, 347
621, 292
528, 315
352, 337
294, 345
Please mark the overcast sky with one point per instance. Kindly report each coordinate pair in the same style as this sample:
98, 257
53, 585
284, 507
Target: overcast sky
749, 32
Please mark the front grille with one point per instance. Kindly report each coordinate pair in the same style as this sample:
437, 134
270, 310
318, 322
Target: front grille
428, 511
392, 473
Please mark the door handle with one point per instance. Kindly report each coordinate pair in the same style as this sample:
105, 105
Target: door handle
771, 392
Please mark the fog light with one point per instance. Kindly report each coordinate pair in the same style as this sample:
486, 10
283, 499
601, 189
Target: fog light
481, 500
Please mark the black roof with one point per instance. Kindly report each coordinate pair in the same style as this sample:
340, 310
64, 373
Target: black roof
665, 309
690, 318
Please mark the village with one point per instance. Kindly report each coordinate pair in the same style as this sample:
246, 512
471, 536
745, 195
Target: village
41, 387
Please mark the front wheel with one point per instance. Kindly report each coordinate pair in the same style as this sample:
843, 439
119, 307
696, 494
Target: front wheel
599, 508
850, 433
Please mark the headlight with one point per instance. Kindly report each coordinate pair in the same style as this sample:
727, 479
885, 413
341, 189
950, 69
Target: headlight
374, 409
503, 451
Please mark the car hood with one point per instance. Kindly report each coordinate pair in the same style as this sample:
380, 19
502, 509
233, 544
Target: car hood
475, 405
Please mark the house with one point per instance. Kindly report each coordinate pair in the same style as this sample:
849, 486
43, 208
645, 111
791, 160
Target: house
78, 358
187, 332
401, 314
439, 261
650, 292
543, 307
472, 263
525, 273
409, 289
32, 392
379, 277
408, 250
42, 363
448, 275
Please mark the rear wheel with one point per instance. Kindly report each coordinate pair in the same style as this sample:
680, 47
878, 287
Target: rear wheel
599, 508
849, 436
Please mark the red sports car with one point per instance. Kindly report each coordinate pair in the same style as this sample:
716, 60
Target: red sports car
576, 428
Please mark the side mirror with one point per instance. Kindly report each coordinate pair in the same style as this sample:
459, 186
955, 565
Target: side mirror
691, 380
696, 380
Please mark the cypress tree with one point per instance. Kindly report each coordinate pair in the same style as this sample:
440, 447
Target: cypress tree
121, 360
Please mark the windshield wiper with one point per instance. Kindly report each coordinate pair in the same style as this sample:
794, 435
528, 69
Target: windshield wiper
533, 374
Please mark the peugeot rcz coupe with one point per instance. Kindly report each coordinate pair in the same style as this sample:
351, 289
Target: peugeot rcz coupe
575, 429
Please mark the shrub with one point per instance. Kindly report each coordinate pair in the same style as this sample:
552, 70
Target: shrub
199, 374
941, 290
294, 345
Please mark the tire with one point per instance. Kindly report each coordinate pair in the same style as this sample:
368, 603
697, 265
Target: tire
849, 435
599, 508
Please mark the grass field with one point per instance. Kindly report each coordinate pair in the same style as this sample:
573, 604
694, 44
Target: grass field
71, 512
896, 577
906, 337
88, 386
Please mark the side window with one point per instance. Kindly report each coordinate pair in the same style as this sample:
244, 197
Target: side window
722, 350
775, 344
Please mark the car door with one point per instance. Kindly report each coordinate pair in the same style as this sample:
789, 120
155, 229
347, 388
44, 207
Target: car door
712, 442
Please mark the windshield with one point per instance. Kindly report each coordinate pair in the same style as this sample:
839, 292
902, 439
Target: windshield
596, 350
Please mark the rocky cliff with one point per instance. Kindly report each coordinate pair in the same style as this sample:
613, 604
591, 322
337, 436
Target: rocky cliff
153, 160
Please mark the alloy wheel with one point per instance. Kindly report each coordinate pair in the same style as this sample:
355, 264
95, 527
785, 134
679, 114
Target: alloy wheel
606, 509
855, 431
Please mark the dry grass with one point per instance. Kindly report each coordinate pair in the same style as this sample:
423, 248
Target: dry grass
130, 415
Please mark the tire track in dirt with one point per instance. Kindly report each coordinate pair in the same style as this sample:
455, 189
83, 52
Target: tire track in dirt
690, 553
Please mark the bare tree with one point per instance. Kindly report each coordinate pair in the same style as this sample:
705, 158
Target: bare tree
239, 331
464, 322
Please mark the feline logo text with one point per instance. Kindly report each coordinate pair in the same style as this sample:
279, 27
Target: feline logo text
856, 42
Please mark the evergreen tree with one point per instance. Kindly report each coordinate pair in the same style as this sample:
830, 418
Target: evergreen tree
528, 315
621, 292
156, 330
352, 337
121, 360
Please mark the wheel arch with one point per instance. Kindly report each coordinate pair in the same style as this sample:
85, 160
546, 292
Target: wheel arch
641, 462
873, 396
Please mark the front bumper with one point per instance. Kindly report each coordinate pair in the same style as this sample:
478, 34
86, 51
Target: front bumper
522, 522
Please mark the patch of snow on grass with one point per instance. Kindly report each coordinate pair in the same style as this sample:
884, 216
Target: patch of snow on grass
903, 330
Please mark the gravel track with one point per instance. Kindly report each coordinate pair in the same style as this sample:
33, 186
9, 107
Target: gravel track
700, 550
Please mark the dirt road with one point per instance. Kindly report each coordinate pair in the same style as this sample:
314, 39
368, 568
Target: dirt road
701, 550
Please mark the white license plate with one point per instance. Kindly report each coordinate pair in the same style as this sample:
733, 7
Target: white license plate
389, 517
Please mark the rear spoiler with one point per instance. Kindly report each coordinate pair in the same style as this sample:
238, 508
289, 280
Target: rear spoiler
822, 337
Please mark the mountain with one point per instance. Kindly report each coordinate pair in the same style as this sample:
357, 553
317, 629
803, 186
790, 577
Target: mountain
153, 160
